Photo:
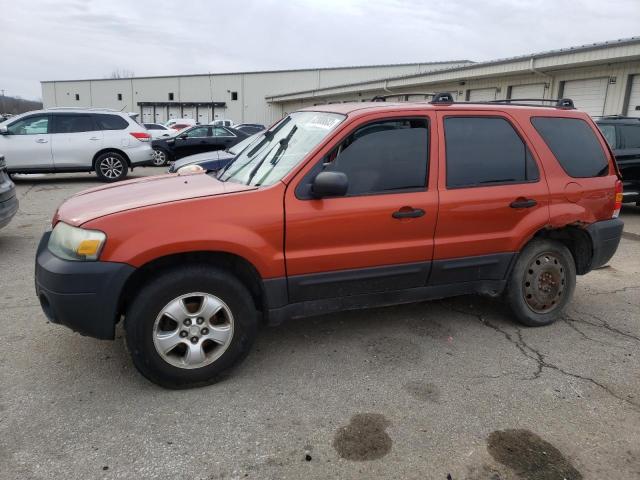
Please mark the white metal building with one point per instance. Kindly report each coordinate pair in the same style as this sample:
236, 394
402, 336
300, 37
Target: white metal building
601, 78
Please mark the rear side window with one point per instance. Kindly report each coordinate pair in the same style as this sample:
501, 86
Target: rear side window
482, 151
384, 157
630, 136
73, 124
574, 144
111, 122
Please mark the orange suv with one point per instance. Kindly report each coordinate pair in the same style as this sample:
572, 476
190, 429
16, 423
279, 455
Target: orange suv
336, 207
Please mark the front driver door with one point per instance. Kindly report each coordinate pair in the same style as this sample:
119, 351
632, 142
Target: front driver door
379, 236
27, 144
192, 141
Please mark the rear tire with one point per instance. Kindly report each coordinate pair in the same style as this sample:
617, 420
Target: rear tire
160, 157
111, 167
176, 309
542, 282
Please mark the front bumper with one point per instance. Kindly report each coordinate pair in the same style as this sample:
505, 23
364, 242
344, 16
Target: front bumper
605, 237
83, 296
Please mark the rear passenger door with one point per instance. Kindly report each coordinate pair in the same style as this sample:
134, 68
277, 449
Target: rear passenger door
75, 140
492, 195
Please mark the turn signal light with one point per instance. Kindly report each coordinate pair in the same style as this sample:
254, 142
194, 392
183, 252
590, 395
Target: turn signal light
88, 247
142, 136
618, 204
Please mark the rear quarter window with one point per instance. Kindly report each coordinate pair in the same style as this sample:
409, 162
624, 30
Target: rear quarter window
574, 144
111, 122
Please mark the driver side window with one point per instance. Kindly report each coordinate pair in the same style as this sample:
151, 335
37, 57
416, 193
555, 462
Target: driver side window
36, 125
382, 157
198, 132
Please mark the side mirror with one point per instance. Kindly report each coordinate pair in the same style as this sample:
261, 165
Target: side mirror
183, 136
4, 130
330, 184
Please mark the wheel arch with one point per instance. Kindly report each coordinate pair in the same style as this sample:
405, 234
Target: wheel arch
240, 267
576, 239
106, 150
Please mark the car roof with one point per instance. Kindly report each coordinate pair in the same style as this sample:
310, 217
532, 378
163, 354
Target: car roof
618, 120
70, 110
358, 108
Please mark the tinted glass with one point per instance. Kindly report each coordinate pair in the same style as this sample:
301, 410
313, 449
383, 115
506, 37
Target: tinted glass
221, 132
574, 144
73, 123
36, 125
153, 126
609, 132
198, 132
383, 157
485, 151
111, 122
629, 136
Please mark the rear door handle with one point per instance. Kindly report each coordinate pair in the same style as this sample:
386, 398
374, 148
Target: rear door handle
42, 140
523, 203
408, 212
94, 138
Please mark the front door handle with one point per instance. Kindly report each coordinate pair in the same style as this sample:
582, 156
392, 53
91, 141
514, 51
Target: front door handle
523, 203
408, 212
42, 140
94, 138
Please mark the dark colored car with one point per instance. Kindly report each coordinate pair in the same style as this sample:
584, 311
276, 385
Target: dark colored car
213, 161
197, 139
250, 128
623, 135
8, 198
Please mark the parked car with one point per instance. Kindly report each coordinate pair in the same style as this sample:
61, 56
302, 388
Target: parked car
75, 140
8, 198
216, 160
381, 204
198, 139
222, 122
623, 135
250, 128
180, 123
157, 130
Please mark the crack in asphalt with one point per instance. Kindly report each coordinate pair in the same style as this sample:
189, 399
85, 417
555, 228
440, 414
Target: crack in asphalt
570, 322
604, 324
541, 362
611, 292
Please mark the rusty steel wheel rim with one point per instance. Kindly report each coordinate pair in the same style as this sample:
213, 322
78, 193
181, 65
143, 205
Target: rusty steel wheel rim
544, 283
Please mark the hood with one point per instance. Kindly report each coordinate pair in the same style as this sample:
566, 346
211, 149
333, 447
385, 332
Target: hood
142, 192
203, 157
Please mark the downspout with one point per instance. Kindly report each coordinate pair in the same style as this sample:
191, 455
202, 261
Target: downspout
549, 78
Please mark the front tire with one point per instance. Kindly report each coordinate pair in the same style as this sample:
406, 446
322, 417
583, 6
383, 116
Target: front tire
189, 326
111, 167
542, 282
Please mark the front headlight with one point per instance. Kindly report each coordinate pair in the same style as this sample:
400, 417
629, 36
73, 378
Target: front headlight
73, 243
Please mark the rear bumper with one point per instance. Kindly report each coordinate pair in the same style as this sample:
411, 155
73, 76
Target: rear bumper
8, 209
141, 155
605, 238
83, 296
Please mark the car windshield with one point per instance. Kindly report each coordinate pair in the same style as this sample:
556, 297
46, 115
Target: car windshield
275, 152
238, 147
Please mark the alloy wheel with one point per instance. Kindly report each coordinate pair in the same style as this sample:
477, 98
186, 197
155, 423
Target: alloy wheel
111, 167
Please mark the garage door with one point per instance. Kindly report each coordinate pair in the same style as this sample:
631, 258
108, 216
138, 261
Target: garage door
204, 115
633, 110
587, 95
533, 90
174, 112
482, 94
189, 112
147, 115
161, 114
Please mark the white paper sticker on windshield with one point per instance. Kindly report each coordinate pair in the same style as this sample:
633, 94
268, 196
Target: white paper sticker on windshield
322, 121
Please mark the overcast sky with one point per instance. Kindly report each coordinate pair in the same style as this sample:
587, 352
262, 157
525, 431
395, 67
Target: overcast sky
75, 39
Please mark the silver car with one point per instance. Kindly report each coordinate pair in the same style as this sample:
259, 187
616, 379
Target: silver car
75, 140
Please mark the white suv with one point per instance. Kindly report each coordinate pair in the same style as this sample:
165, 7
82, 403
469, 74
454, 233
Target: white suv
75, 140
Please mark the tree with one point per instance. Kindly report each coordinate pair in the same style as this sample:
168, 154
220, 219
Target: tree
122, 73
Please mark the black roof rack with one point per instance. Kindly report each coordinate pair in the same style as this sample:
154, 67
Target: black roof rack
559, 102
383, 98
442, 97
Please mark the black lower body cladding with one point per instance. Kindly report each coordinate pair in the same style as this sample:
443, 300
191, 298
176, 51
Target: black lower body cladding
80, 295
605, 238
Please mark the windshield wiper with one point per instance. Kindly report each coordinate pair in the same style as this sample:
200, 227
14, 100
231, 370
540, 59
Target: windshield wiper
283, 145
